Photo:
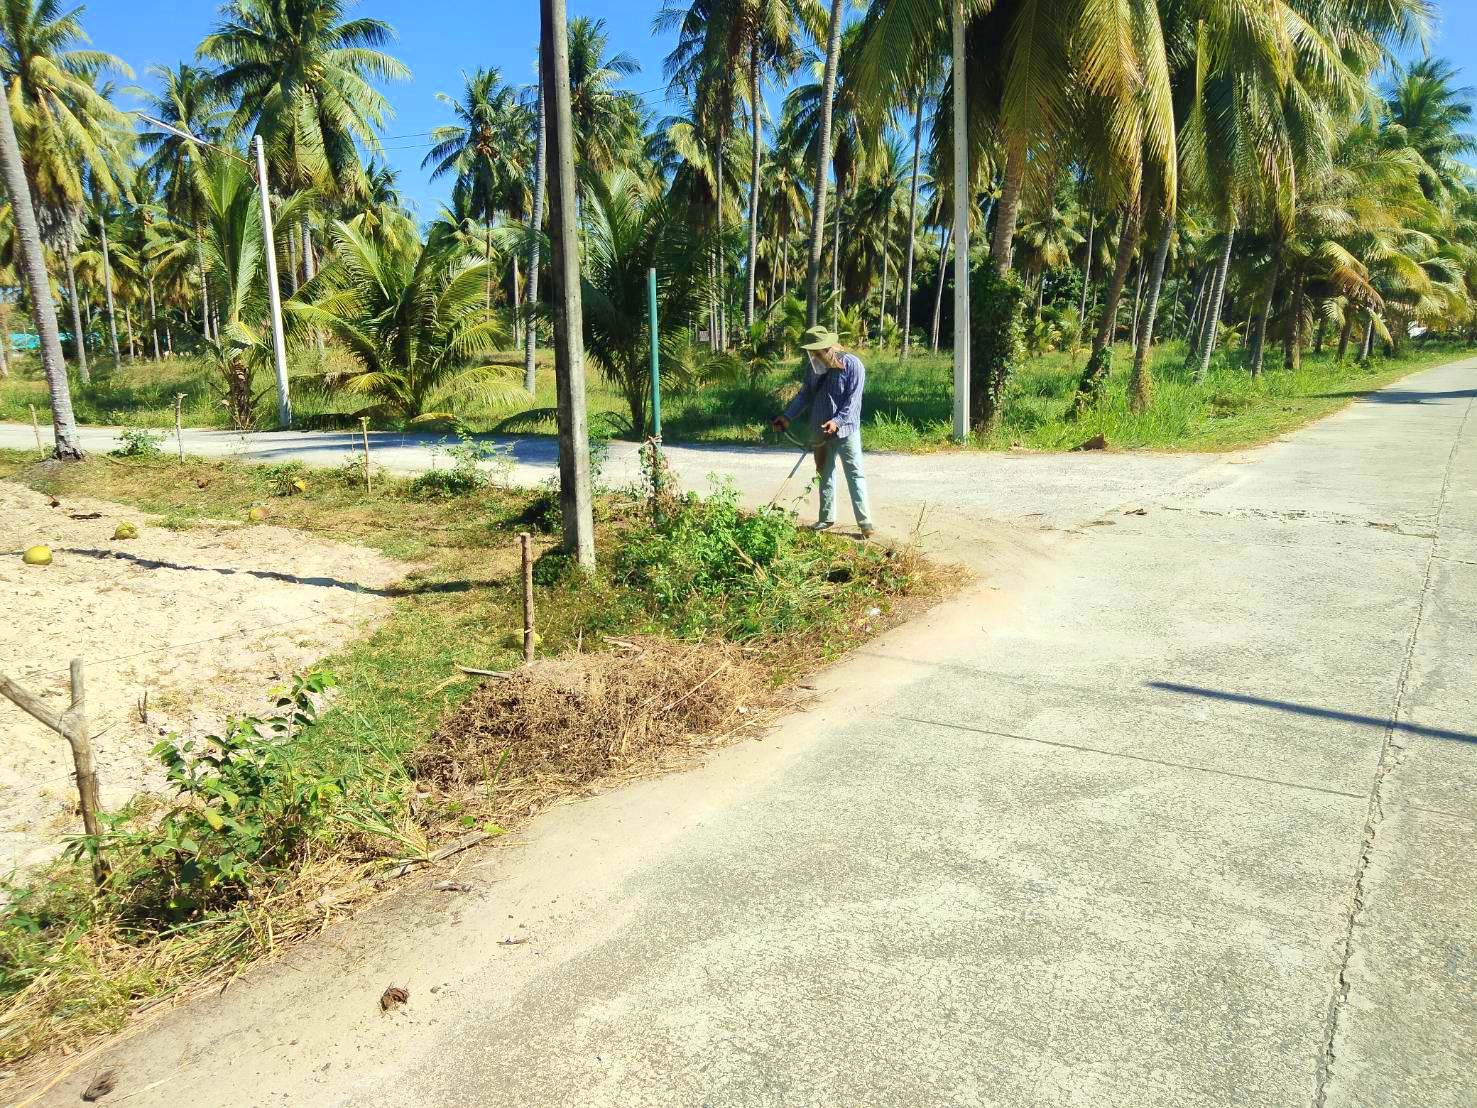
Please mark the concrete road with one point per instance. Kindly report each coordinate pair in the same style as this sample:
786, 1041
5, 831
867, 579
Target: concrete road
1175, 807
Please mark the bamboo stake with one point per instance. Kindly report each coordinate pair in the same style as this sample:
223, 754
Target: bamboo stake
525, 544
72, 726
179, 434
35, 426
368, 481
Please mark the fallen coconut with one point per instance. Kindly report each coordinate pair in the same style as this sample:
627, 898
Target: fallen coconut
125, 530
257, 514
300, 484
37, 556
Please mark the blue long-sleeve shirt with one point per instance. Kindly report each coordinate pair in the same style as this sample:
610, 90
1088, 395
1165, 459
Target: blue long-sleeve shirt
832, 394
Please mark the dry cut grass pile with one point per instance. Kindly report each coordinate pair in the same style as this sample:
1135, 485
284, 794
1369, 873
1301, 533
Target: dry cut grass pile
563, 724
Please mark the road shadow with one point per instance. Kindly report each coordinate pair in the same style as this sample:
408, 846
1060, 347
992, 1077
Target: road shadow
1313, 711
1398, 396
393, 592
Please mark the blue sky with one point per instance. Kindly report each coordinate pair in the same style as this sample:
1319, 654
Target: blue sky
440, 38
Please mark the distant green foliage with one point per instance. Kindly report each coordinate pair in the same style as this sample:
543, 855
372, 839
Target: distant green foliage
996, 339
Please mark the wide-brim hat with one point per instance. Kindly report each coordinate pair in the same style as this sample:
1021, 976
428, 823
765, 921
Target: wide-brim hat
819, 338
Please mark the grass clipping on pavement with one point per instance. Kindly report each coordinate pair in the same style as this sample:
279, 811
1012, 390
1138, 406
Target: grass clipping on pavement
694, 621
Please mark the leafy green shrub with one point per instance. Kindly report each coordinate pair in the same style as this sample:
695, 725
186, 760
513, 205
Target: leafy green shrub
996, 339
469, 470
138, 442
707, 566
284, 479
247, 802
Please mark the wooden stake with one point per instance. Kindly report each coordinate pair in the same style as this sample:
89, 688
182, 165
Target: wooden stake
368, 481
179, 435
35, 426
525, 544
72, 726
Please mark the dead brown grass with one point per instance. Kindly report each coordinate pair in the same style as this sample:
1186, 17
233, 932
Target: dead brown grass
563, 724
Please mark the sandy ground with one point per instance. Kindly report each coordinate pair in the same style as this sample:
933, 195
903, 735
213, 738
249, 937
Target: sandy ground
205, 621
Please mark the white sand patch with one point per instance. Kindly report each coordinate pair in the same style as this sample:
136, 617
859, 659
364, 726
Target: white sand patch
205, 621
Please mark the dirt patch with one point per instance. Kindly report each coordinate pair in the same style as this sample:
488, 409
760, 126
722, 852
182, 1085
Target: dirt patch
564, 724
203, 621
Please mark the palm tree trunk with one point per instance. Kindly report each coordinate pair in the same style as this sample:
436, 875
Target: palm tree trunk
79, 336
517, 304
1138, 303
204, 286
1128, 239
1346, 333
169, 340
836, 263
785, 291
1293, 351
720, 287
153, 316
1095, 375
1368, 339
822, 163
128, 330
487, 224
907, 290
1193, 330
756, 110
1213, 307
938, 296
882, 302
1141, 382
102, 223
43, 309
1086, 275
1258, 350
1009, 209
1320, 334
540, 173
292, 237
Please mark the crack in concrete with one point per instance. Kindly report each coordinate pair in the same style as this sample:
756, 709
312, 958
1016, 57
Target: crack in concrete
1392, 752
1299, 515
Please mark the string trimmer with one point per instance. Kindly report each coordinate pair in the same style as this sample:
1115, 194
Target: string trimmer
806, 451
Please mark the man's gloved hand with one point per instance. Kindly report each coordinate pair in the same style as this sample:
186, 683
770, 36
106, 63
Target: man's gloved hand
780, 423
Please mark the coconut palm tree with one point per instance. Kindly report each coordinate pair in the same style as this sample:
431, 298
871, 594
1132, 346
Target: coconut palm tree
303, 76
416, 322
1426, 112
631, 229
487, 149
186, 101
68, 128
43, 310
607, 120
723, 47
822, 163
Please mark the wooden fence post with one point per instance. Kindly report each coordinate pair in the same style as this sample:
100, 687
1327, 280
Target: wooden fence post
525, 544
35, 426
364, 423
72, 726
179, 434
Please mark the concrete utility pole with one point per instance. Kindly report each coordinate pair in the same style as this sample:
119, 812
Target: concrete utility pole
569, 346
279, 343
961, 232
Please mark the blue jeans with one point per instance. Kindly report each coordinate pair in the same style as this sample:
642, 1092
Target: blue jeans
849, 450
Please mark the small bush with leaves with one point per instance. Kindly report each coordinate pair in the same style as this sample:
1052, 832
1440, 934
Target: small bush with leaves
285, 479
247, 802
474, 465
138, 442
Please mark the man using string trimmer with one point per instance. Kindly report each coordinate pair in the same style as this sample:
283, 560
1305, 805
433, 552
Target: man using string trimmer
833, 386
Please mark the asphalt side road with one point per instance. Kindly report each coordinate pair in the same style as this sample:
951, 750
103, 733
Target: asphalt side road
1174, 806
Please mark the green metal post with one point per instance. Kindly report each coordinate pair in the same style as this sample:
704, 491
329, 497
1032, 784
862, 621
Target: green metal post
656, 360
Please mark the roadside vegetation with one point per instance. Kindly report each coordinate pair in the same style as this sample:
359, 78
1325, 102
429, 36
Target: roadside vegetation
283, 821
908, 403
